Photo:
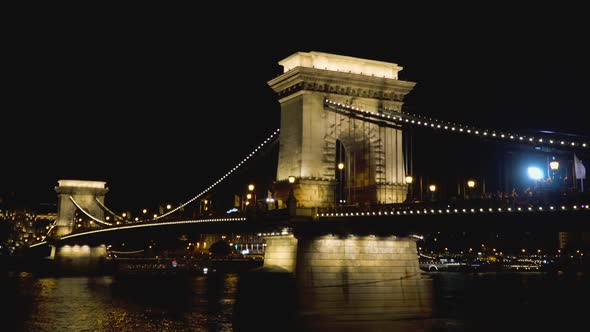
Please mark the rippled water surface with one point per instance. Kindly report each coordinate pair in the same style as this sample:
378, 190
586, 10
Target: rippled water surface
460, 302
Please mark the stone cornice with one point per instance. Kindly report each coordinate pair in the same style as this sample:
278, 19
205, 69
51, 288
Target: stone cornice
334, 82
81, 191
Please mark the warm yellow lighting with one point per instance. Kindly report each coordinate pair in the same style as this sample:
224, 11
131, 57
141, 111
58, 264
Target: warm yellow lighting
471, 183
432, 187
155, 215
340, 166
81, 184
124, 215
168, 206
250, 187
341, 63
247, 203
108, 218
249, 196
144, 210
554, 165
291, 179
136, 218
409, 179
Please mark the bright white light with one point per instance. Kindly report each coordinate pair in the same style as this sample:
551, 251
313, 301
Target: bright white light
535, 173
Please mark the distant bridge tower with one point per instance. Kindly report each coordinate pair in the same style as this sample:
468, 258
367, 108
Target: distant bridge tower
82, 192
315, 139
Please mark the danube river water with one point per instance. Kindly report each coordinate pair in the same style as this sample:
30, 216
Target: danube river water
530, 301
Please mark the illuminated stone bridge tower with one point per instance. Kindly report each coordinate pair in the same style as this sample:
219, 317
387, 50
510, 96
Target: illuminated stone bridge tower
85, 194
314, 139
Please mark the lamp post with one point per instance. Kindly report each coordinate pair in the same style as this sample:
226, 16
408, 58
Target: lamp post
470, 185
291, 200
409, 181
252, 194
432, 189
340, 184
554, 166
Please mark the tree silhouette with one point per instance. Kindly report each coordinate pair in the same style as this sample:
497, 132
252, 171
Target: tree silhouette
220, 248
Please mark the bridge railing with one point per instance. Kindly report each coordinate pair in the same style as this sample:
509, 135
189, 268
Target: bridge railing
486, 203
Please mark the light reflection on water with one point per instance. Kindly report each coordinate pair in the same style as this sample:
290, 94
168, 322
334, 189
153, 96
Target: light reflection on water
461, 302
101, 304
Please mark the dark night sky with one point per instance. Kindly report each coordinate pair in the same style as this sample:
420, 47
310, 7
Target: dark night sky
159, 107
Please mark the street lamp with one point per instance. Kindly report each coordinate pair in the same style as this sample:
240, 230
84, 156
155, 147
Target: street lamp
249, 196
535, 173
340, 184
409, 181
432, 189
470, 186
291, 201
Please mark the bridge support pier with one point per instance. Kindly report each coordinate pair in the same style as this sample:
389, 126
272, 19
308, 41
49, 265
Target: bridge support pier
80, 259
281, 251
353, 278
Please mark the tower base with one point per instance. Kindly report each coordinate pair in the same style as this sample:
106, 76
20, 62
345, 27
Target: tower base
307, 192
